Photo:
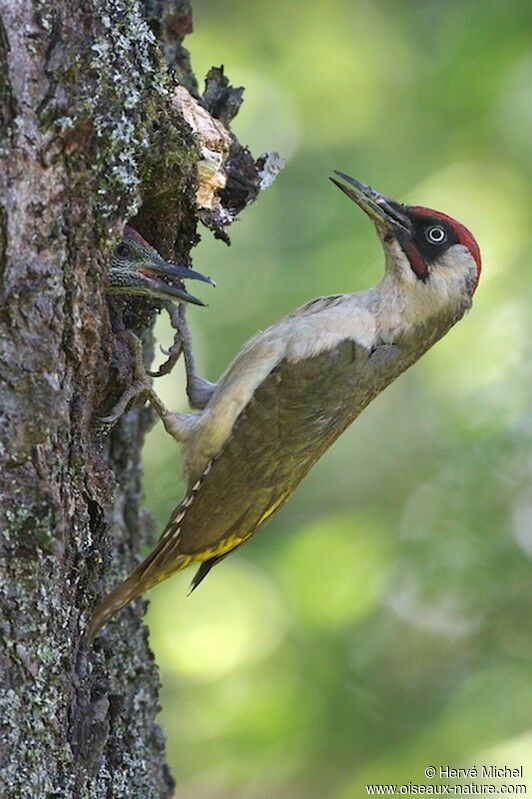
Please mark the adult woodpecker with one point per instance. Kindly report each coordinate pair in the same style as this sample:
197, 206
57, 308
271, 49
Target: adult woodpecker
294, 388
137, 268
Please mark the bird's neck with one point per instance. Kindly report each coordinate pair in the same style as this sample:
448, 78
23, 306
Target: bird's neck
403, 309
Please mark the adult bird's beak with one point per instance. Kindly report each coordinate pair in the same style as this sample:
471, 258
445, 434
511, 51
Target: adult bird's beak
383, 211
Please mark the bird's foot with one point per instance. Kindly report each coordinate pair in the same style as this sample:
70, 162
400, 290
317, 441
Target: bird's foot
173, 352
199, 390
120, 407
177, 424
141, 383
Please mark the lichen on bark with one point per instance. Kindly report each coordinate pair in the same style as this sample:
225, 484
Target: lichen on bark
90, 139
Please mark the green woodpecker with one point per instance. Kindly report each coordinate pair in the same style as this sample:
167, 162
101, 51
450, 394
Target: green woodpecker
293, 389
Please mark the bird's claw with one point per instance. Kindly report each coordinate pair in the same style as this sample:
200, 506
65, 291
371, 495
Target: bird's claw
178, 323
140, 385
135, 390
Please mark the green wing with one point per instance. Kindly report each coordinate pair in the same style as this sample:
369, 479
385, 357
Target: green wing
293, 417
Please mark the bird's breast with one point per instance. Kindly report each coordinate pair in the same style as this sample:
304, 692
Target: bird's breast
315, 330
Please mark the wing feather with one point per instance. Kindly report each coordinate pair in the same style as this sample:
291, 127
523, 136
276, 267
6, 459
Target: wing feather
292, 418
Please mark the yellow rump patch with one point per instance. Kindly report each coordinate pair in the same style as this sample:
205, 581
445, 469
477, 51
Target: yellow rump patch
227, 544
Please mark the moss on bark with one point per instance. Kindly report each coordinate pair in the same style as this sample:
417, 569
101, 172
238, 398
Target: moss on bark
90, 141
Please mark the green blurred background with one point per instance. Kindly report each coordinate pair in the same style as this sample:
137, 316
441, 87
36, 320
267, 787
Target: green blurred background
381, 623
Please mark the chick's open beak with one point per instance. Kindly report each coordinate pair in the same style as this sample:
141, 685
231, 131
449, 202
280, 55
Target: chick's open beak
162, 280
383, 211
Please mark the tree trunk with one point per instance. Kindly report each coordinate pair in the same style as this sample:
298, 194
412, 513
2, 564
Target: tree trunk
94, 132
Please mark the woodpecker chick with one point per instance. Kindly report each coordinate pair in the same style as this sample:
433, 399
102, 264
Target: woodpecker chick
137, 268
293, 389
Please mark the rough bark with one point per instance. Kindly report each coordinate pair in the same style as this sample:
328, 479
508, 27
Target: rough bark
90, 138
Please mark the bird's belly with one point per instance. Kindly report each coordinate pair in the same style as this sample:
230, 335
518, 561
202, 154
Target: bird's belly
295, 416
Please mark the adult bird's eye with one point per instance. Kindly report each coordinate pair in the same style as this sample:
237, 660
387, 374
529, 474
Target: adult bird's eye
435, 234
122, 251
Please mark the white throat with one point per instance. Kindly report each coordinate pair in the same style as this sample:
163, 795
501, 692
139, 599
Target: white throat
401, 301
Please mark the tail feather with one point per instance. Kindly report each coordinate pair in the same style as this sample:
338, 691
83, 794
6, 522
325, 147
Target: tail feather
141, 579
113, 602
204, 569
